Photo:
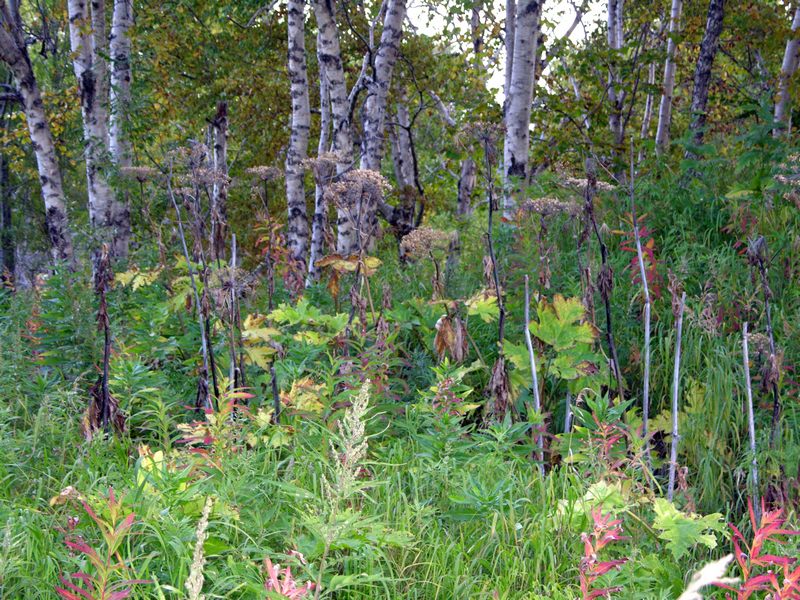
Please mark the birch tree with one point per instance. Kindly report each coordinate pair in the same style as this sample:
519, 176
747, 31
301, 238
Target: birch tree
665, 108
120, 93
300, 126
616, 96
702, 72
14, 52
329, 56
788, 67
218, 140
519, 97
322, 175
378, 88
108, 216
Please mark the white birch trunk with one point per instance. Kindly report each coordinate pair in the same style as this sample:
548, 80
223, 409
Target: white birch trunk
14, 52
615, 95
322, 175
665, 109
511, 21
788, 67
520, 96
330, 60
300, 126
648, 107
378, 88
109, 217
401, 148
120, 94
218, 132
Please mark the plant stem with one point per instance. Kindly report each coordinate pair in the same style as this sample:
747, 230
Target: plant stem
537, 403
673, 455
646, 291
751, 426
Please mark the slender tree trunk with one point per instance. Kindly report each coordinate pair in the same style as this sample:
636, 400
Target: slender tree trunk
300, 126
322, 176
330, 60
466, 185
6, 231
615, 93
702, 73
14, 52
648, 108
511, 23
375, 108
401, 147
665, 109
108, 216
378, 90
219, 189
783, 113
518, 101
120, 94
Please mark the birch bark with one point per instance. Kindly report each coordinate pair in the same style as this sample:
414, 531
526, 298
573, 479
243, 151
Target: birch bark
300, 126
519, 98
702, 73
665, 108
322, 176
788, 67
120, 94
14, 52
330, 59
219, 187
108, 216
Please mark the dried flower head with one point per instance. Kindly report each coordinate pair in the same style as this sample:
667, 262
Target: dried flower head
264, 173
351, 450
580, 183
424, 240
194, 583
323, 162
551, 206
140, 174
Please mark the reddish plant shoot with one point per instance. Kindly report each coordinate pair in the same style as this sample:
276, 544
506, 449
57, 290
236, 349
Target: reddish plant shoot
605, 531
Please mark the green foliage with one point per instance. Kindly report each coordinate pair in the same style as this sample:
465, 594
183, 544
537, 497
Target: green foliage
682, 531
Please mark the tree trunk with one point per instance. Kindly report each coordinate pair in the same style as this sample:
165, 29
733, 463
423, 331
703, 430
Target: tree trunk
378, 89
783, 113
219, 188
14, 52
665, 109
6, 231
375, 108
511, 22
648, 108
330, 60
298, 145
519, 98
615, 94
466, 185
322, 176
702, 73
108, 216
120, 95
401, 148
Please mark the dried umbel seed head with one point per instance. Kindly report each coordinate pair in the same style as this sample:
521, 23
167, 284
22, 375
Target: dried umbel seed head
424, 240
323, 162
140, 174
580, 183
264, 173
551, 206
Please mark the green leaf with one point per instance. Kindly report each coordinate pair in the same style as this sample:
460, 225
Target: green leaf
684, 531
